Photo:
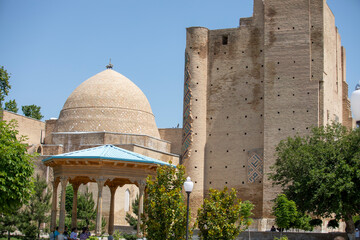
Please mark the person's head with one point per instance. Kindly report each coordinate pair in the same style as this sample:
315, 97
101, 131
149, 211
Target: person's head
57, 228
84, 229
65, 228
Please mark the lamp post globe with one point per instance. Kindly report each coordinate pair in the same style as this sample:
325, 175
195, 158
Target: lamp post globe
355, 103
188, 186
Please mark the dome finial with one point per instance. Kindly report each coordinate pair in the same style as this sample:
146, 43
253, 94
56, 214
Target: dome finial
109, 66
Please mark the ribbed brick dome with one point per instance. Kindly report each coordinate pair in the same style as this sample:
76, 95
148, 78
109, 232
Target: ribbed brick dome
108, 102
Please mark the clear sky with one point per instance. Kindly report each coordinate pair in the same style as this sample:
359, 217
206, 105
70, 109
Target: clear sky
52, 46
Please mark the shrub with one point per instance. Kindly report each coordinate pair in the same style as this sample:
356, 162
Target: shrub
223, 216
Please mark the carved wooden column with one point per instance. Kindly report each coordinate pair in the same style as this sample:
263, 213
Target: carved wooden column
75, 186
112, 209
100, 181
55, 184
64, 181
141, 185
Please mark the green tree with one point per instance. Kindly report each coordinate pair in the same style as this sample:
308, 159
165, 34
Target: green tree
133, 218
16, 168
32, 111
165, 207
69, 197
11, 106
4, 84
37, 210
223, 216
285, 212
86, 211
8, 222
321, 172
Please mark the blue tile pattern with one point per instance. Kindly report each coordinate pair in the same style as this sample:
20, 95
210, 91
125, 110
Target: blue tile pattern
255, 167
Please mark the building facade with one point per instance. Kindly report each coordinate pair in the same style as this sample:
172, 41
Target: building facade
279, 73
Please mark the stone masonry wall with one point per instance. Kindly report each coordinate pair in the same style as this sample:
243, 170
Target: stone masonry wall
291, 97
173, 135
195, 101
32, 128
234, 137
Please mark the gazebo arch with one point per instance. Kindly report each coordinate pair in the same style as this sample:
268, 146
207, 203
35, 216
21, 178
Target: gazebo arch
106, 165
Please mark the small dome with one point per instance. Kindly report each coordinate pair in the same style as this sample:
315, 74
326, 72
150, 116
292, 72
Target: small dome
107, 102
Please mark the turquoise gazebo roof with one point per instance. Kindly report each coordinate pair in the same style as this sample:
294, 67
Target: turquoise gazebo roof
108, 152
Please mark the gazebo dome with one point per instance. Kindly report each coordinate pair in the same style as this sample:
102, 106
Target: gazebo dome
107, 102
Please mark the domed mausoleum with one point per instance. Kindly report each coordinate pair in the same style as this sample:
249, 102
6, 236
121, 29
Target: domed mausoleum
108, 102
108, 108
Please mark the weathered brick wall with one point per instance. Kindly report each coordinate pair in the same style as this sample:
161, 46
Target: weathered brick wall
195, 101
291, 97
174, 136
332, 74
32, 128
234, 137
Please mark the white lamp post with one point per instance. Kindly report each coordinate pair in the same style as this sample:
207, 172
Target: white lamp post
188, 186
355, 103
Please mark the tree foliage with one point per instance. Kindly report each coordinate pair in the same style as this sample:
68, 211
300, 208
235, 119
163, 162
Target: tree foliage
11, 106
86, 211
8, 222
321, 172
287, 216
4, 84
133, 218
32, 111
37, 210
16, 168
69, 197
223, 216
165, 207
285, 212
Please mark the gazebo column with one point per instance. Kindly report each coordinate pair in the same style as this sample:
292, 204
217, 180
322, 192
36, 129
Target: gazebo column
100, 181
75, 186
112, 209
64, 181
141, 185
55, 184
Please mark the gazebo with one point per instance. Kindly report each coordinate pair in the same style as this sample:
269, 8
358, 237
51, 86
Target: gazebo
106, 165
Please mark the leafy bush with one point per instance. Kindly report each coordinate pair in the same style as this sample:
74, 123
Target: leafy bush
129, 236
223, 216
165, 207
287, 215
117, 235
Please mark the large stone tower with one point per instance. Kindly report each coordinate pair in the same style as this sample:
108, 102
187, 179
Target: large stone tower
279, 73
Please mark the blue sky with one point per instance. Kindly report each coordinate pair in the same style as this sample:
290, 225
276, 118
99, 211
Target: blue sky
50, 47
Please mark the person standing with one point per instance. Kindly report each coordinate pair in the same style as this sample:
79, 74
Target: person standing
357, 234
